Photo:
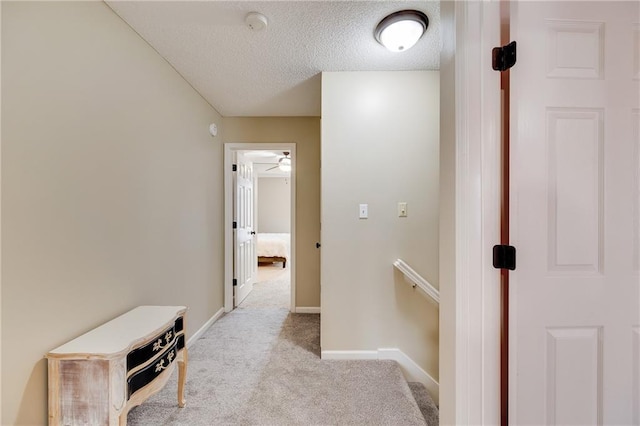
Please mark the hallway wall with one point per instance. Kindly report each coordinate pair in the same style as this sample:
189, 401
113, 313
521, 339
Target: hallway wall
305, 132
111, 188
274, 205
380, 146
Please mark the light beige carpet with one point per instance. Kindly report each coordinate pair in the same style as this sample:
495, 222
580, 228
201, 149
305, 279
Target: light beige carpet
260, 365
270, 272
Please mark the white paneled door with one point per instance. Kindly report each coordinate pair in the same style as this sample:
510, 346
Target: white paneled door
245, 260
574, 297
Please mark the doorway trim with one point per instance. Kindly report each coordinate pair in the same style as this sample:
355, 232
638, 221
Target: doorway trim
469, 215
229, 149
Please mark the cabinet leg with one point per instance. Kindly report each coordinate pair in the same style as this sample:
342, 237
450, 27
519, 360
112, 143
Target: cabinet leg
182, 377
122, 419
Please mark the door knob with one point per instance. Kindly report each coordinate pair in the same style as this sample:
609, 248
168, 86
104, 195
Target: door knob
317, 245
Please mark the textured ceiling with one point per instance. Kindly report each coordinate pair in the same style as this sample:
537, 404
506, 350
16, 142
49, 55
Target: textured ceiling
274, 72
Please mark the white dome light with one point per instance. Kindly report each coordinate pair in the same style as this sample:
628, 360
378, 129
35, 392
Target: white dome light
401, 30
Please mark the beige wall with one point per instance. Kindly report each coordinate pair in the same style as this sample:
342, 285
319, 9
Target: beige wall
380, 146
305, 132
274, 205
111, 188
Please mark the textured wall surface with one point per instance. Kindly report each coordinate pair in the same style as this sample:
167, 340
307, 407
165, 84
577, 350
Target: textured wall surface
380, 146
274, 205
305, 132
111, 188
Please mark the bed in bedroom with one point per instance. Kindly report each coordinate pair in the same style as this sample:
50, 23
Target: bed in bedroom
273, 248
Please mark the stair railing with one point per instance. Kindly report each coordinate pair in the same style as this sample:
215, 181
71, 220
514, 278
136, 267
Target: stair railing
416, 280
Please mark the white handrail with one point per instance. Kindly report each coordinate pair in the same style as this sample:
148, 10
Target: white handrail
416, 280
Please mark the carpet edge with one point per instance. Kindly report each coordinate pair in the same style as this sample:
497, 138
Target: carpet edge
198, 334
410, 369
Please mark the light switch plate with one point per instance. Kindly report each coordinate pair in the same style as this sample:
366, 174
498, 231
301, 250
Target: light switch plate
364, 211
402, 209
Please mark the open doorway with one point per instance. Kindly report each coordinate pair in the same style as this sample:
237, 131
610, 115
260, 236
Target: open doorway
272, 170
259, 222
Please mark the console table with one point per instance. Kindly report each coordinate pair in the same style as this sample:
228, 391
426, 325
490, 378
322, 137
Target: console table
98, 377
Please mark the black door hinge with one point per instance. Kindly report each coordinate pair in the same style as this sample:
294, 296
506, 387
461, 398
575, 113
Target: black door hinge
234, 168
235, 282
504, 57
235, 225
504, 257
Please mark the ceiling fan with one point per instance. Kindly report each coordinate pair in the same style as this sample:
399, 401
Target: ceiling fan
284, 163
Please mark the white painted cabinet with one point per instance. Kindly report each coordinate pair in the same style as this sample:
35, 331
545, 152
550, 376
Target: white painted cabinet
98, 377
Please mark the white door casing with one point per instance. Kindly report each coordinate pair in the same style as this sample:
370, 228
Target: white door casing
574, 298
469, 214
245, 260
230, 149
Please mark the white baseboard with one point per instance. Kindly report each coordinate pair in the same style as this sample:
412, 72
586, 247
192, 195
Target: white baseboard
204, 328
307, 310
342, 355
412, 372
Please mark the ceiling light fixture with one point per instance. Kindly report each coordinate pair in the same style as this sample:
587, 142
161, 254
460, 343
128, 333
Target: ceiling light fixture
401, 30
284, 164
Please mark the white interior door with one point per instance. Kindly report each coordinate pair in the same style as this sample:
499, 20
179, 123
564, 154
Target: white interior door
574, 314
245, 261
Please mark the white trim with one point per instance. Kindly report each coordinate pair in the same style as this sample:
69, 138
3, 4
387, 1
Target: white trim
228, 230
229, 148
469, 288
411, 371
347, 355
198, 334
0, 228
307, 310
416, 280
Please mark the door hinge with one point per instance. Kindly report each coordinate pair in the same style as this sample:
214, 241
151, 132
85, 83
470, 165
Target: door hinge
235, 224
235, 282
234, 168
504, 57
504, 257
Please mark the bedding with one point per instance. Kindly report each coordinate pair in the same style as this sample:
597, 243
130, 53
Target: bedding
273, 248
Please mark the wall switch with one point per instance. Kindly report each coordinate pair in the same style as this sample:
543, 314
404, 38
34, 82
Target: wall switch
402, 209
364, 211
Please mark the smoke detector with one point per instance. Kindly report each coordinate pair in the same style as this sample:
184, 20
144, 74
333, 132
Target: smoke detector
256, 21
